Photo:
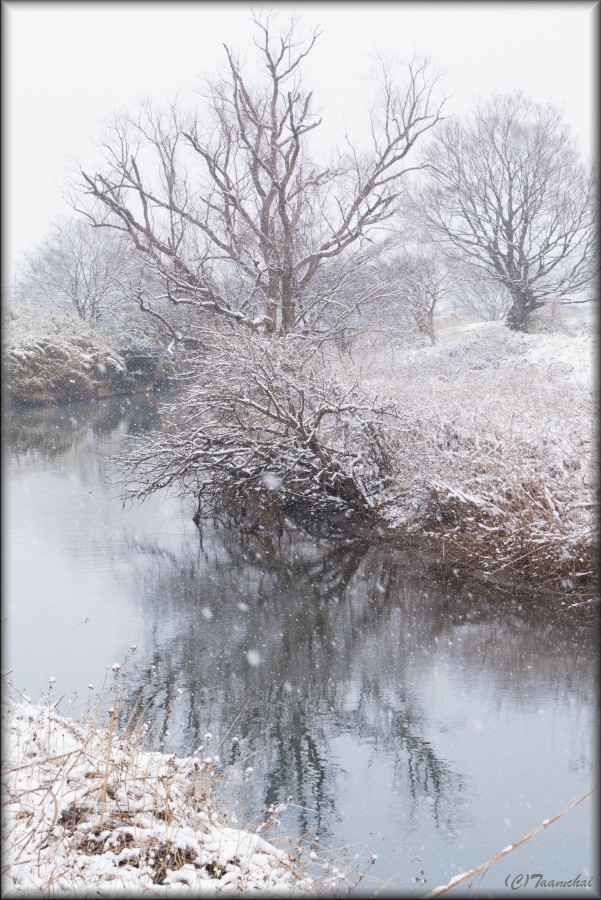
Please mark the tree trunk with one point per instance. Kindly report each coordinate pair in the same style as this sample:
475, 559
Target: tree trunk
431, 327
524, 304
517, 319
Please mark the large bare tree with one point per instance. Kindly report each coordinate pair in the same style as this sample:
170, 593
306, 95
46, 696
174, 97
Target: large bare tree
229, 207
510, 192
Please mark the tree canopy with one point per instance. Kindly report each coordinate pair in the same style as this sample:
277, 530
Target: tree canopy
230, 208
509, 191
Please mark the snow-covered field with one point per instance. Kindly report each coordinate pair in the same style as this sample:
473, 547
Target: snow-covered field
477, 346
496, 448
86, 810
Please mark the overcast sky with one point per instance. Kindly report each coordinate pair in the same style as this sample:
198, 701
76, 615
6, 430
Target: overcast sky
68, 66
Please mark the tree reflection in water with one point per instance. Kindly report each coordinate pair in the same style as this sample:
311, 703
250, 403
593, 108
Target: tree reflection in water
343, 631
51, 431
334, 626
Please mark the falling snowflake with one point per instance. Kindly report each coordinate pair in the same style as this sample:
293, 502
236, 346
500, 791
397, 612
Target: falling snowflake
271, 481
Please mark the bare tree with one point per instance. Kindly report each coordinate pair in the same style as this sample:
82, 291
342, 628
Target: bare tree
426, 278
78, 268
229, 208
481, 297
412, 284
509, 192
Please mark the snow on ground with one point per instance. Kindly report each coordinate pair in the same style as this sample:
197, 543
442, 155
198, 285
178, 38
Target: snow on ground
495, 447
578, 352
478, 345
89, 811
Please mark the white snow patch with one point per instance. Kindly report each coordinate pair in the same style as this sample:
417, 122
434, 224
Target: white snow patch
85, 811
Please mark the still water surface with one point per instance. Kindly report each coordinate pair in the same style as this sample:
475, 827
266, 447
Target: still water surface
405, 717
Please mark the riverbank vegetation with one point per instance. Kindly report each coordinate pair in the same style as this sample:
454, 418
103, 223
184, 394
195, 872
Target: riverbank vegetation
483, 444
497, 463
99, 799
53, 356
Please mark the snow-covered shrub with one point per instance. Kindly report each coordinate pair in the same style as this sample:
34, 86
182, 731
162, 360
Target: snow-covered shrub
480, 443
130, 329
97, 805
485, 348
51, 356
265, 426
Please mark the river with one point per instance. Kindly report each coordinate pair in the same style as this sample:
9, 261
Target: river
406, 717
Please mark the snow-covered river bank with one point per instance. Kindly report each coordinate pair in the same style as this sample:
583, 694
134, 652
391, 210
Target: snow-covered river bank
88, 811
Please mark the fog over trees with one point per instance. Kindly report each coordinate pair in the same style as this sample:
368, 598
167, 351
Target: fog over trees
416, 282
79, 269
235, 217
485, 299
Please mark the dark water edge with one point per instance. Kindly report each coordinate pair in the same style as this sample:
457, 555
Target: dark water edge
406, 711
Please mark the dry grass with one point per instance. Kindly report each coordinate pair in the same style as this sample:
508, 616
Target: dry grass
483, 867
91, 807
494, 457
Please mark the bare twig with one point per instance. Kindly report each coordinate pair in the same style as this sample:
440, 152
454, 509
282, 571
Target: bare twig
460, 879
